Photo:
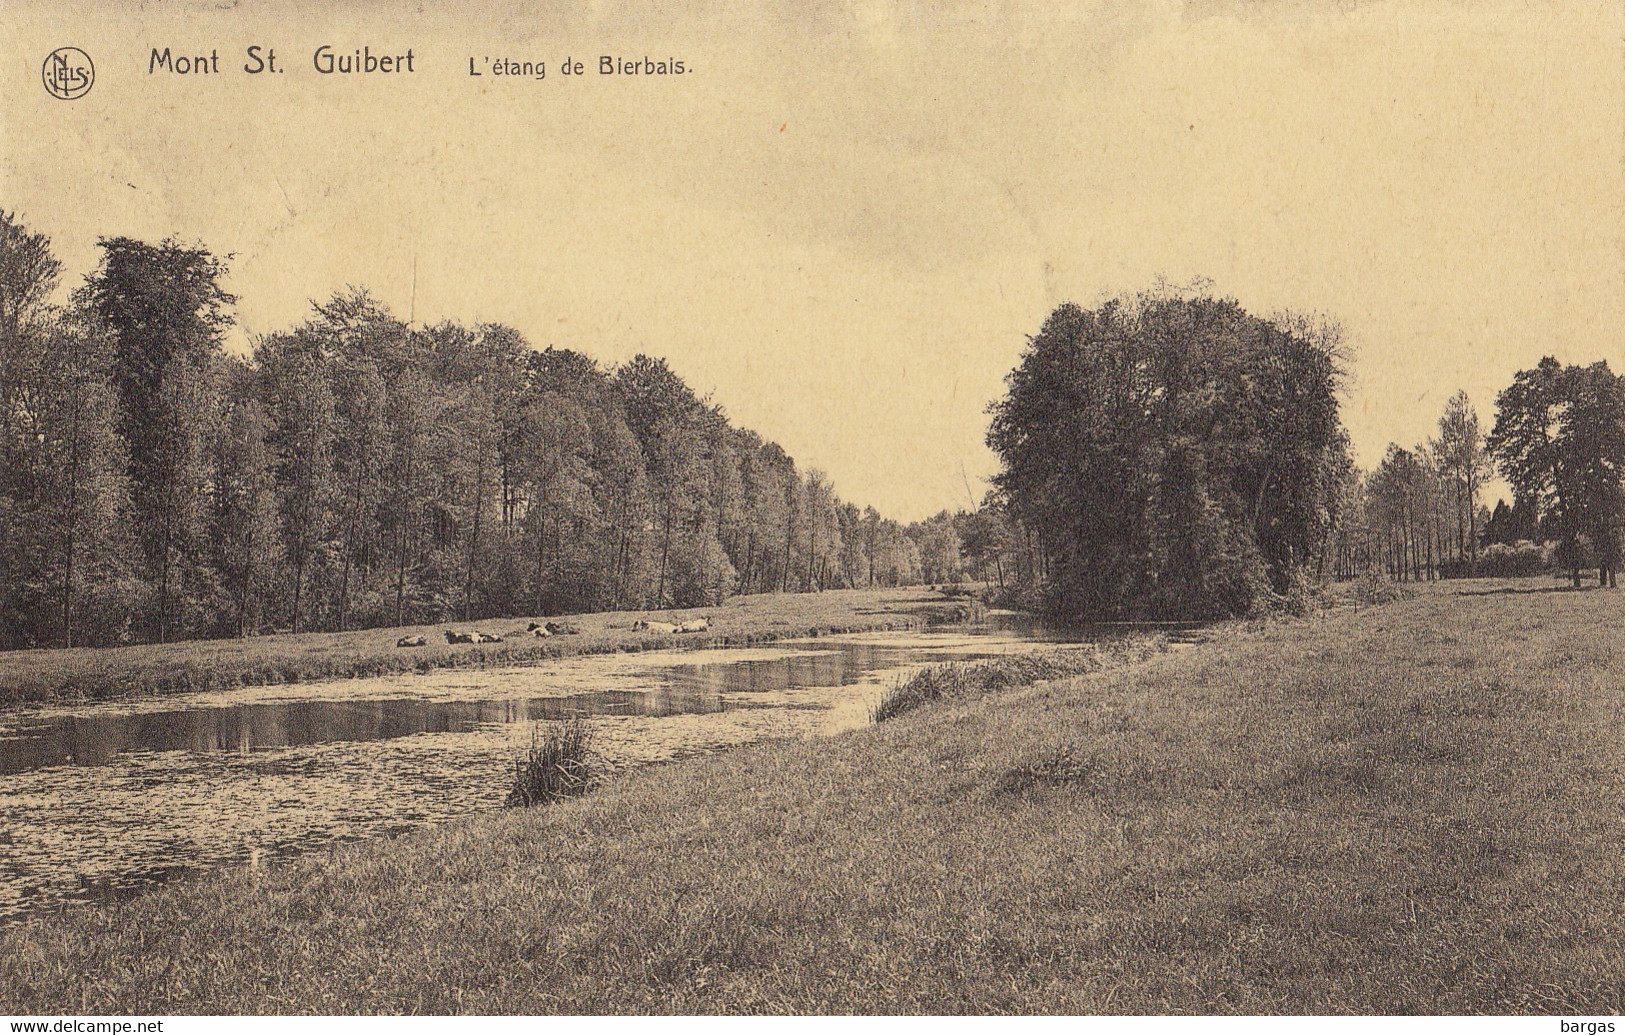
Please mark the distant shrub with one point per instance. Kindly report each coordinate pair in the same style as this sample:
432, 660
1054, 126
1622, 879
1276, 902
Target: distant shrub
1500, 560
1521, 558
1375, 587
559, 765
1304, 594
1019, 595
1457, 569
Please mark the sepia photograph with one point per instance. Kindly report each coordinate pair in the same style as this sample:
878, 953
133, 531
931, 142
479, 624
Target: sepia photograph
884, 508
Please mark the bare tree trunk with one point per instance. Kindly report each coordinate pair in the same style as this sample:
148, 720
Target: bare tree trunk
665, 553
1432, 570
1472, 517
163, 585
789, 537
812, 551
349, 546
473, 542
401, 528
541, 563
70, 533
242, 602
400, 568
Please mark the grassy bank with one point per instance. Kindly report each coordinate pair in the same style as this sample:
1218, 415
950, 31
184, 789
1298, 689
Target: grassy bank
964, 680
1406, 808
111, 672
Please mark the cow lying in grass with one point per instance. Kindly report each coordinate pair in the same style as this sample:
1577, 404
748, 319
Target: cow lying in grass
551, 629
693, 625
471, 637
413, 641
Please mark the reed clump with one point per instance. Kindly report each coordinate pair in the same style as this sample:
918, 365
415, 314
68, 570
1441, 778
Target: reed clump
559, 765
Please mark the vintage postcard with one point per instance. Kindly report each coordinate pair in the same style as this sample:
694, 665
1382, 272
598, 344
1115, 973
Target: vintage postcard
820, 508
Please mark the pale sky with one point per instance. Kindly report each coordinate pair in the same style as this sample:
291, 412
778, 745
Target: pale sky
847, 218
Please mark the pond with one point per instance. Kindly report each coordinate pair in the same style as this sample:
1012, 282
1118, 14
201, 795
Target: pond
101, 801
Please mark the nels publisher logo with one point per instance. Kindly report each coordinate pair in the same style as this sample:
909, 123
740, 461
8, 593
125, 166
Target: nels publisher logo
68, 73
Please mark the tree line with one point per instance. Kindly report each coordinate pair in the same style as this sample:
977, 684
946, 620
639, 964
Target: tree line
1558, 441
1172, 456
1417, 515
358, 471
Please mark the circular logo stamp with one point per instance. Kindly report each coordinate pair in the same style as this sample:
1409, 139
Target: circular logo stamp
68, 73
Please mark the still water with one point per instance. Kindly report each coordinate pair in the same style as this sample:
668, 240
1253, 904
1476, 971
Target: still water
100, 801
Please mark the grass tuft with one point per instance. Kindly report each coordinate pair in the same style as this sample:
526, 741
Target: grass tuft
1063, 767
559, 765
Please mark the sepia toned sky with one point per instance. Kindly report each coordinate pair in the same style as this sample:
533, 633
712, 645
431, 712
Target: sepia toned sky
844, 221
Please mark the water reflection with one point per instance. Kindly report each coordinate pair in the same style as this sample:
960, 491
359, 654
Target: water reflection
699, 689
99, 739
106, 800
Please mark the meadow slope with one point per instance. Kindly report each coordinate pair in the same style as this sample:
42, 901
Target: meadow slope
1411, 808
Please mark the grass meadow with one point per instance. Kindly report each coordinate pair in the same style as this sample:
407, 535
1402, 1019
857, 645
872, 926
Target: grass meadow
1408, 808
102, 673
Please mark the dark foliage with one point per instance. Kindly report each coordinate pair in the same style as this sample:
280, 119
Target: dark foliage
358, 471
1559, 440
1173, 457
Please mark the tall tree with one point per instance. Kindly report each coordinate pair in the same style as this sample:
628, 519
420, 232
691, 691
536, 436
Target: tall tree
302, 429
167, 313
247, 539
1588, 453
1526, 416
1465, 463
71, 489
1559, 439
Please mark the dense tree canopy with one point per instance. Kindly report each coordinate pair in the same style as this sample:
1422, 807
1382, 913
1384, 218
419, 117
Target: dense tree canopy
1559, 440
1174, 457
355, 470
